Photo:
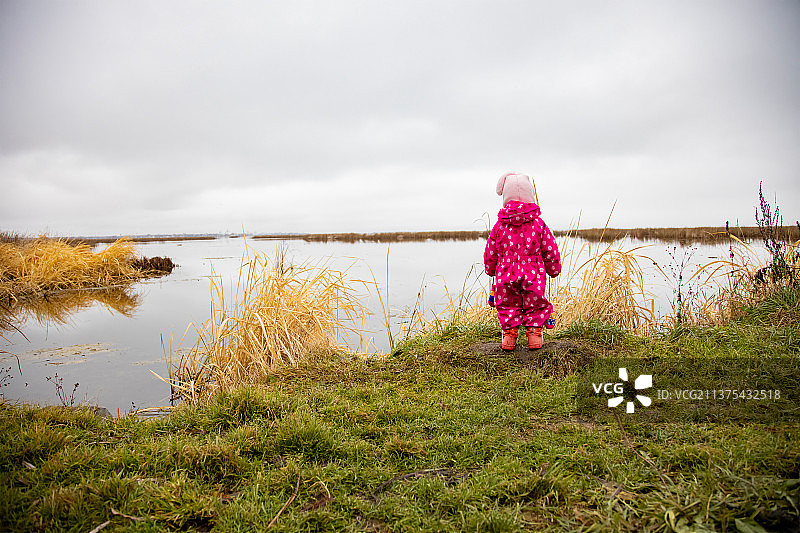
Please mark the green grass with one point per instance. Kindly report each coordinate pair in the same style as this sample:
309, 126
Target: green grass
433, 438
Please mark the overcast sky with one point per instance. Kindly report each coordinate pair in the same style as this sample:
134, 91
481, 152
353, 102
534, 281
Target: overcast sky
142, 117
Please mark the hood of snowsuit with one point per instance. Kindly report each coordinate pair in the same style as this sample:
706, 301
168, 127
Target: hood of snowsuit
517, 213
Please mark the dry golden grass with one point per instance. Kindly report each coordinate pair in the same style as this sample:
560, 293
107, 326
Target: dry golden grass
280, 314
29, 267
608, 285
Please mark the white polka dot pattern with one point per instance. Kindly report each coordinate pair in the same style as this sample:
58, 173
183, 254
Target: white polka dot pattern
521, 252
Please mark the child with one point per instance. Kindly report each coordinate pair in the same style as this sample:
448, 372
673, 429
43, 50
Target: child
520, 250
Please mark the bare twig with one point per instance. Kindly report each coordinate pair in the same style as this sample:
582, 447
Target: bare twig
285, 505
101, 526
129, 517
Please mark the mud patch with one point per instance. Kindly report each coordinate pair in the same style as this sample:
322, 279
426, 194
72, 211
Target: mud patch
557, 358
154, 266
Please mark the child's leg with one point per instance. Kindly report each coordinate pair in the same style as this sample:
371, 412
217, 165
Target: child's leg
508, 303
535, 310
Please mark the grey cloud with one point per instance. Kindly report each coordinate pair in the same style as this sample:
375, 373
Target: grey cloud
172, 98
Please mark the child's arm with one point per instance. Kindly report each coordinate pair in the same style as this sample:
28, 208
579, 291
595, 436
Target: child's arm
552, 259
490, 253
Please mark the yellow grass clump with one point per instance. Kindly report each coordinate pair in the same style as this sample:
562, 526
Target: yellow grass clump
43, 264
280, 315
608, 285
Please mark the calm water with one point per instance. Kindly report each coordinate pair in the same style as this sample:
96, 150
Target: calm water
111, 355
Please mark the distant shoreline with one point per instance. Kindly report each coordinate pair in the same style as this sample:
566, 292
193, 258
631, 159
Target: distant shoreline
91, 241
706, 234
700, 234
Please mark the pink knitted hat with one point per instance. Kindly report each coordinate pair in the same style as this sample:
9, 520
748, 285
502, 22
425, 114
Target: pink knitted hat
513, 186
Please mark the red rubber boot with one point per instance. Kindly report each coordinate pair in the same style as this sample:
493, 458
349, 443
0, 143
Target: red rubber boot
510, 339
535, 340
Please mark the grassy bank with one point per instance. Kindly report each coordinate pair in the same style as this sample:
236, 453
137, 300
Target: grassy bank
446, 434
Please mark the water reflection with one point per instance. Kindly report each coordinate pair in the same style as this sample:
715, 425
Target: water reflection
57, 307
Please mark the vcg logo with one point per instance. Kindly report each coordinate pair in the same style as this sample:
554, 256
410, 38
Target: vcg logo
645, 381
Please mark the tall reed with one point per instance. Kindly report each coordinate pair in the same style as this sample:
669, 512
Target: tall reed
279, 315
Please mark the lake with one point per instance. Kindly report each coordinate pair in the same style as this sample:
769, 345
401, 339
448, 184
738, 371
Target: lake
110, 354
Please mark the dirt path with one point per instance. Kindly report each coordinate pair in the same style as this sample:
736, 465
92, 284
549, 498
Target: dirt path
557, 358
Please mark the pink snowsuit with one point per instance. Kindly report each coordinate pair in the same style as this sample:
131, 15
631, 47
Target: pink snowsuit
520, 250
